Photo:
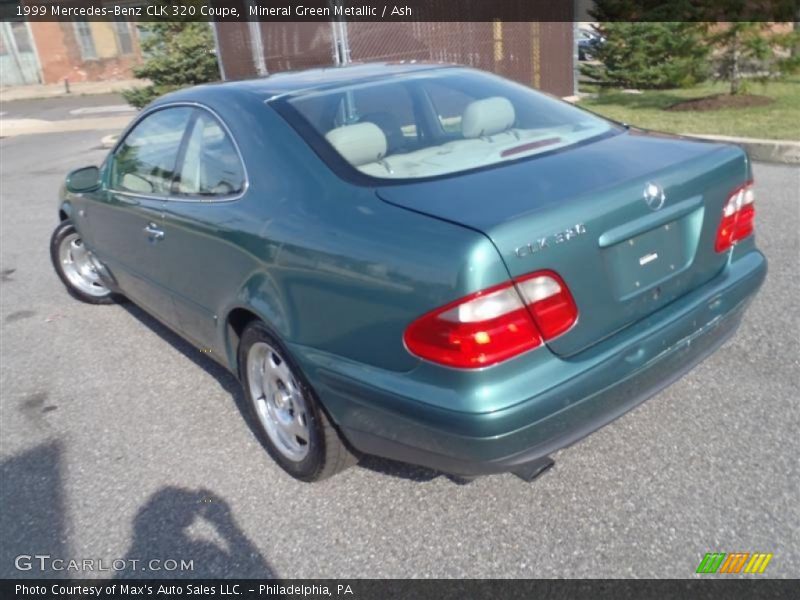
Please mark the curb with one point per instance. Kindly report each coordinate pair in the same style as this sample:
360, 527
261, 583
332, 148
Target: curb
786, 152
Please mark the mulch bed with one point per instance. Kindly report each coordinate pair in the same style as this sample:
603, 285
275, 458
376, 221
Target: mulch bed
721, 101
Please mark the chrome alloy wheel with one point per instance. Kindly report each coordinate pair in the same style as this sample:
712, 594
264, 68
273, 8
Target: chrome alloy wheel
80, 266
278, 401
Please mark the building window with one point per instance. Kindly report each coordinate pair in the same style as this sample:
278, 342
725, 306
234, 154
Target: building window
85, 40
124, 39
21, 38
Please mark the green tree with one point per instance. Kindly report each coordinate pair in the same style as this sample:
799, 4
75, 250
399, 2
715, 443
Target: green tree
177, 54
650, 54
786, 49
749, 50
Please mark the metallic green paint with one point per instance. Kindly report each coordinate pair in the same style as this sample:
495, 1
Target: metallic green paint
339, 270
495, 419
600, 186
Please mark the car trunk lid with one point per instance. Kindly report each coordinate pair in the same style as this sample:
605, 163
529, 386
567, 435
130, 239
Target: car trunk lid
584, 213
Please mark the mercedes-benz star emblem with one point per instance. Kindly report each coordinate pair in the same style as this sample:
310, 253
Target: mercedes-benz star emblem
654, 196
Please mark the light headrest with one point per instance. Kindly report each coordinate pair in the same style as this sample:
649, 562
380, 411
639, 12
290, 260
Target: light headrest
359, 144
487, 117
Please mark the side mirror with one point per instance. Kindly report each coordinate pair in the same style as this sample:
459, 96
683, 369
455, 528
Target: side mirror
83, 180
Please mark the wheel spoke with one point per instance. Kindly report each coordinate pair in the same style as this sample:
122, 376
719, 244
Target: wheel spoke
274, 361
78, 251
263, 382
298, 427
282, 371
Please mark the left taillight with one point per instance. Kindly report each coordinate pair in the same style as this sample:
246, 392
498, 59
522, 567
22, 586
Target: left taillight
495, 324
737, 217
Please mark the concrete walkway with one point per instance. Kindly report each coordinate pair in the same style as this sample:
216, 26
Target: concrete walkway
29, 92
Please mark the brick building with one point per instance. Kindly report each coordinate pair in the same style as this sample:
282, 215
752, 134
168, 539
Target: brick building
50, 52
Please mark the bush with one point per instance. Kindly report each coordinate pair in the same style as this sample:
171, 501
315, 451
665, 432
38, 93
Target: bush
177, 54
651, 55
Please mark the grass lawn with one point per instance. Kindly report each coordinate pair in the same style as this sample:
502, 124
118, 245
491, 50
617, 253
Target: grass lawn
779, 120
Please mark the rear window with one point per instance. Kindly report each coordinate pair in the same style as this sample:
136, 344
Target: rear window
437, 123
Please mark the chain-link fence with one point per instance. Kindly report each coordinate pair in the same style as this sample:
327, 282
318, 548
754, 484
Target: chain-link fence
536, 54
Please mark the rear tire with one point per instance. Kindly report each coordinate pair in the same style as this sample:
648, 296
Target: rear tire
289, 420
77, 267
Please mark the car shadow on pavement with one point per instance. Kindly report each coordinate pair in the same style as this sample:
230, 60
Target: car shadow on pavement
182, 533
394, 468
225, 378
230, 384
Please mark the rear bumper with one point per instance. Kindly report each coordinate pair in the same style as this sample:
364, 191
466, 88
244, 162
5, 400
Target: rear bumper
396, 420
574, 422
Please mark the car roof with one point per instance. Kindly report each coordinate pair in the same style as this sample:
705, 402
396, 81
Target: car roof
290, 82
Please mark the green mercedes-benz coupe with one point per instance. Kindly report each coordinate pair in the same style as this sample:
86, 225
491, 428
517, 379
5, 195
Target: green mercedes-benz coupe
422, 262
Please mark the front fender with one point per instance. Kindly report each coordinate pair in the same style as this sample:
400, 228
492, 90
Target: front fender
64, 205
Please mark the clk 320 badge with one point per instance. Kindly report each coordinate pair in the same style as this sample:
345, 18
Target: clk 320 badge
543, 242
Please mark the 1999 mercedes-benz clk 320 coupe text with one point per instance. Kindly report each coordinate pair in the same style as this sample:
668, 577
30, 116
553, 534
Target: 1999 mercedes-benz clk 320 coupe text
422, 262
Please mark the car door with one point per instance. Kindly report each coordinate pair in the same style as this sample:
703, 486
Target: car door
205, 227
127, 221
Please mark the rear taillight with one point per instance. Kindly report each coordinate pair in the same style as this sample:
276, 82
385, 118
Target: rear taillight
549, 302
493, 325
737, 217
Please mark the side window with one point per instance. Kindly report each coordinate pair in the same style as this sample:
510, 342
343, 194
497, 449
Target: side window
211, 165
449, 105
145, 161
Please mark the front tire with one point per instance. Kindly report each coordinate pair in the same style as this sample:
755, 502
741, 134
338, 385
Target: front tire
77, 267
288, 418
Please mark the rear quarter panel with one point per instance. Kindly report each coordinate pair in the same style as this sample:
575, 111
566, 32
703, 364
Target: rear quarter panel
328, 265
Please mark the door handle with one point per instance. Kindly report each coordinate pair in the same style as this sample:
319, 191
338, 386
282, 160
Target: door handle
153, 232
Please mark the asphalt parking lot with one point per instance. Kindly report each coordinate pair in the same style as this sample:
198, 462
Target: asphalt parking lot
118, 440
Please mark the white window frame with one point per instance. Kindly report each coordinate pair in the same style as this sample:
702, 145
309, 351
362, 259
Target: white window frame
85, 39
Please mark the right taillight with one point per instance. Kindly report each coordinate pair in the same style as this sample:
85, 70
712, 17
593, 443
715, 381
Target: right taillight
549, 302
737, 217
496, 324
